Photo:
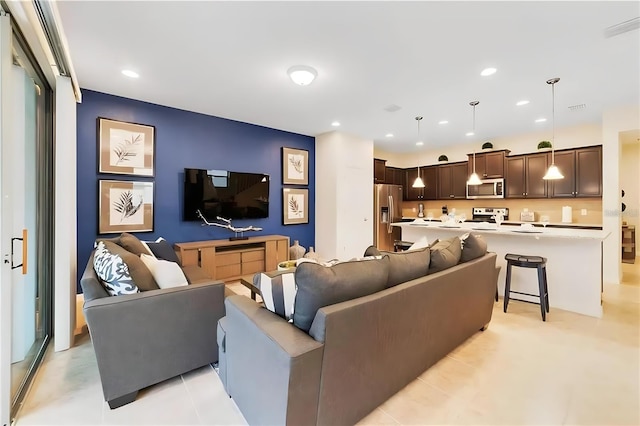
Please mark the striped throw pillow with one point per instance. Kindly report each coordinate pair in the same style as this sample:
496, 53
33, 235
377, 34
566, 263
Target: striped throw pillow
278, 292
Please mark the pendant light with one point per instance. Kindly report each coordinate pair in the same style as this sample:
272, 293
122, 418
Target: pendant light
553, 172
418, 183
474, 179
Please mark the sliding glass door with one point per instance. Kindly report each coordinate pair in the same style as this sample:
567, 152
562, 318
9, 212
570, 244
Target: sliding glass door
26, 224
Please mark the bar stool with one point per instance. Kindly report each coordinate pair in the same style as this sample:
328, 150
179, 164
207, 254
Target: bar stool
538, 262
399, 245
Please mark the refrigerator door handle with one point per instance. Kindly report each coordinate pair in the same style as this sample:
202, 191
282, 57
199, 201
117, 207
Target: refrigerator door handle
391, 211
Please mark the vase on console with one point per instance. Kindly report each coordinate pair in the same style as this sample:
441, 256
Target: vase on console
296, 251
312, 255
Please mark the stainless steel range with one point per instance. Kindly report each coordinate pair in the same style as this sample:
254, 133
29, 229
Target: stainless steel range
483, 214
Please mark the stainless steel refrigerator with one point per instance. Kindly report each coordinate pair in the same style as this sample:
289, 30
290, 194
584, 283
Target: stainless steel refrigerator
387, 201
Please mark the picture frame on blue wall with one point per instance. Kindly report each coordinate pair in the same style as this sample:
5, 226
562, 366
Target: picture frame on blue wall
125, 148
295, 166
295, 206
125, 206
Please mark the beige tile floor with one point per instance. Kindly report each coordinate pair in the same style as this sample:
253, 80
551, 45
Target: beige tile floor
573, 370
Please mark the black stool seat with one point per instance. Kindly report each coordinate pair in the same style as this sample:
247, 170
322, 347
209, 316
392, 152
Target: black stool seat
401, 245
526, 261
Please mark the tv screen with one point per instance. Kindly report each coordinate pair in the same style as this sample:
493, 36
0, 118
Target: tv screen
231, 195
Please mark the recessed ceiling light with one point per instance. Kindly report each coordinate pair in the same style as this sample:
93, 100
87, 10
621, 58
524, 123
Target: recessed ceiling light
419, 143
488, 71
130, 73
335, 124
389, 135
469, 134
302, 75
522, 102
443, 122
541, 120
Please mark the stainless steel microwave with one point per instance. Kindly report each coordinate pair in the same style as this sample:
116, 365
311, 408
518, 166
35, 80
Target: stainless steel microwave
489, 188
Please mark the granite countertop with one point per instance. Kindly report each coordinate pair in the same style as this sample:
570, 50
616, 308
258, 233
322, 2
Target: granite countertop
509, 229
597, 226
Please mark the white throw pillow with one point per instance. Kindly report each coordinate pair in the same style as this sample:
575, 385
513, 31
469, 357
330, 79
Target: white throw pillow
420, 244
166, 273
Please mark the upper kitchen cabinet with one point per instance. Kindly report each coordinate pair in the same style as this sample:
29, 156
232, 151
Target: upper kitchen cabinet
582, 170
429, 176
489, 165
394, 176
379, 170
452, 181
524, 174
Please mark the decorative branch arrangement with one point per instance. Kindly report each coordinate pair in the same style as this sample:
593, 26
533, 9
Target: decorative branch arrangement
227, 225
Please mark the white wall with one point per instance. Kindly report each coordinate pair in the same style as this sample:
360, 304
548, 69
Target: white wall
614, 122
630, 182
344, 195
569, 137
65, 213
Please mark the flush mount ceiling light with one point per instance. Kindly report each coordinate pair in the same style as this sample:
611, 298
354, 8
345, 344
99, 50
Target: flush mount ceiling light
522, 102
130, 73
389, 135
443, 122
541, 120
553, 173
474, 179
302, 75
335, 124
488, 71
418, 183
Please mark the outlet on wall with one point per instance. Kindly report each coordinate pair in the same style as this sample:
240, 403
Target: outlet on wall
583, 212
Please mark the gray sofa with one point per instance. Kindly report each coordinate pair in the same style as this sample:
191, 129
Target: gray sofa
357, 354
144, 338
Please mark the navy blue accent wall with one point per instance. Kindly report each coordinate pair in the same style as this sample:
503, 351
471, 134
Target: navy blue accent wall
186, 139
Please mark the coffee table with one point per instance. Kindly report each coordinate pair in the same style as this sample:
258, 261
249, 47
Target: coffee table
247, 281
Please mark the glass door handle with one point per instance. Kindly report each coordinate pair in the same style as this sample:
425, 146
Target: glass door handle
24, 252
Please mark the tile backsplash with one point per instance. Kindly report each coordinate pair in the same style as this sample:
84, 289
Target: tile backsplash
551, 207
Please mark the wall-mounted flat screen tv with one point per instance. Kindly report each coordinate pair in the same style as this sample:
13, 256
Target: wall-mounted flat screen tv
232, 195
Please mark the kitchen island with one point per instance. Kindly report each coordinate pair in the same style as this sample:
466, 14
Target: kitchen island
574, 259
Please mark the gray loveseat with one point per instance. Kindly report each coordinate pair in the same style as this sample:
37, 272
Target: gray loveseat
357, 354
144, 338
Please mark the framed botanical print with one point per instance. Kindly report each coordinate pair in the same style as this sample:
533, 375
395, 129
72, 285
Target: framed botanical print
295, 206
125, 206
295, 166
125, 148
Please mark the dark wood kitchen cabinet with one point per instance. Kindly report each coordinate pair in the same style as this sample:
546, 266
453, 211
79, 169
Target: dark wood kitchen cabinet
429, 176
452, 181
379, 170
582, 170
524, 173
394, 176
489, 165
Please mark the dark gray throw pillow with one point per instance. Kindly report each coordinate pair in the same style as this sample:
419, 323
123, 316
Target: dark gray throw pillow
320, 285
161, 249
372, 251
473, 246
132, 244
139, 272
404, 265
445, 254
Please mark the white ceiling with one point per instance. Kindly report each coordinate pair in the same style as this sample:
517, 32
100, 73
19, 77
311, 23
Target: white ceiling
229, 59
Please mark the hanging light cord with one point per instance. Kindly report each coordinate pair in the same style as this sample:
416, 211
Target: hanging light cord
418, 118
552, 82
473, 104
